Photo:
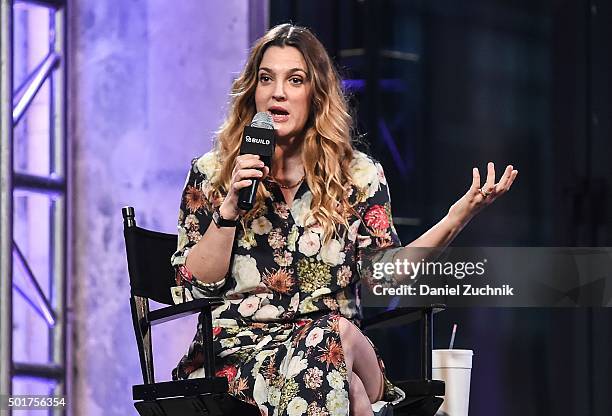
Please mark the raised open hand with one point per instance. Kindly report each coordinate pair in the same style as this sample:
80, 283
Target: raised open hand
477, 197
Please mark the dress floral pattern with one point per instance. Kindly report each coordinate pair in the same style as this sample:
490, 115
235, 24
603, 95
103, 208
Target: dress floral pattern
276, 337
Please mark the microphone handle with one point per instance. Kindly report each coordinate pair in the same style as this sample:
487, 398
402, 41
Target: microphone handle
246, 196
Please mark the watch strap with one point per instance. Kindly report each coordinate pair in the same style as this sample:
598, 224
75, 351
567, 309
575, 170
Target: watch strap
223, 222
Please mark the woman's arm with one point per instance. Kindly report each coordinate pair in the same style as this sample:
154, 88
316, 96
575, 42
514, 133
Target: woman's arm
382, 245
462, 211
209, 259
441, 234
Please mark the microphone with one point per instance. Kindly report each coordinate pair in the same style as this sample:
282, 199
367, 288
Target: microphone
257, 139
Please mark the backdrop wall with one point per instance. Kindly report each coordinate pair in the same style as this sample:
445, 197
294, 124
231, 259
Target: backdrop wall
150, 82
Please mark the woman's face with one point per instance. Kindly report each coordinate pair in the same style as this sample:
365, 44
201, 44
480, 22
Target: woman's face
283, 90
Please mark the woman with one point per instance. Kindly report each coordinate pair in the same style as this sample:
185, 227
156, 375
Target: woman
286, 337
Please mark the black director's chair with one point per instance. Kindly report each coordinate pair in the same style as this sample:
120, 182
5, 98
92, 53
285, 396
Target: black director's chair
152, 276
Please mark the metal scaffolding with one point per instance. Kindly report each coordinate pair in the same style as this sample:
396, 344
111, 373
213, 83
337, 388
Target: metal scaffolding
14, 104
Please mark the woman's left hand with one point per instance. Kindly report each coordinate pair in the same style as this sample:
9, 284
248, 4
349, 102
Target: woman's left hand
477, 197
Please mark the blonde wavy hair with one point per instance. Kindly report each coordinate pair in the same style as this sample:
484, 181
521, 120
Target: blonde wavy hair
327, 148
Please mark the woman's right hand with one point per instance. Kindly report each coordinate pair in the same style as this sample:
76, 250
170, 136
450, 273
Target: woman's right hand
246, 167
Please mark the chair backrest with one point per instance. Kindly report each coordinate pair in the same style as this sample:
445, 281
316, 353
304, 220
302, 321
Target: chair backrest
151, 277
148, 255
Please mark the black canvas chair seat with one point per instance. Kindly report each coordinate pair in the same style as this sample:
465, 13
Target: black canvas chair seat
152, 276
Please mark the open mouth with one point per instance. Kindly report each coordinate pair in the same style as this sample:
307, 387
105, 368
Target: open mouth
276, 111
279, 114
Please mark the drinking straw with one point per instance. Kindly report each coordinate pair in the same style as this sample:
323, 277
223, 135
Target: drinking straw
452, 341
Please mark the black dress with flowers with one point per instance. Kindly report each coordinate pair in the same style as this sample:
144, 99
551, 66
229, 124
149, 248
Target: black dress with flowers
276, 337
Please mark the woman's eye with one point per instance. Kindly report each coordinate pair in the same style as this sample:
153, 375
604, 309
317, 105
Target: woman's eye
264, 78
296, 80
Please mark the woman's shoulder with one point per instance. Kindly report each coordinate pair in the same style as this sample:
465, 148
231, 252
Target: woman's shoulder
362, 160
208, 164
365, 170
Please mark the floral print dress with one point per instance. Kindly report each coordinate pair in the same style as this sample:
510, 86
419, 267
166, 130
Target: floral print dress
276, 338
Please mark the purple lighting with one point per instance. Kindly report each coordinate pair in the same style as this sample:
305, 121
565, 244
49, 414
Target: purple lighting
39, 302
390, 85
388, 139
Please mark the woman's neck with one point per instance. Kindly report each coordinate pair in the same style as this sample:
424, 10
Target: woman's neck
287, 162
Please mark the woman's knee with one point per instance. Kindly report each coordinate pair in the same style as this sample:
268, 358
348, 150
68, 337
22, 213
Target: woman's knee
348, 332
349, 339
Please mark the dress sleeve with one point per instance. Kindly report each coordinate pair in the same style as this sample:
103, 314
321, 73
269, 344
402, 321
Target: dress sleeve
195, 216
377, 240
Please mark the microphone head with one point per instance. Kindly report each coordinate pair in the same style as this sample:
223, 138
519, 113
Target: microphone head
263, 120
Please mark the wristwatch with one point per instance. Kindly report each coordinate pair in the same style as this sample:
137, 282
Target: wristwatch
222, 222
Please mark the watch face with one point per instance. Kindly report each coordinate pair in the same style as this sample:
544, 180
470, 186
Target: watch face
216, 218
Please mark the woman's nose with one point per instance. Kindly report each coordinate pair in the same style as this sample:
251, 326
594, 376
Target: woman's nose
279, 92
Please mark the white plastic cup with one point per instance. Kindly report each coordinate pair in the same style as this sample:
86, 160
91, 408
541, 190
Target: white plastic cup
454, 367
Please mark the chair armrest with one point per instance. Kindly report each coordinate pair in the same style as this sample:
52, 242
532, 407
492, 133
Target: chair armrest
192, 387
417, 388
398, 316
170, 313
